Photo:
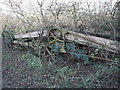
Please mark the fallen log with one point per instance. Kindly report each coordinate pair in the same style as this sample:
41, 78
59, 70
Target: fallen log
80, 38
104, 43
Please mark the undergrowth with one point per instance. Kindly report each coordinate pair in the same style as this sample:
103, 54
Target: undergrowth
32, 61
53, 76
71, 48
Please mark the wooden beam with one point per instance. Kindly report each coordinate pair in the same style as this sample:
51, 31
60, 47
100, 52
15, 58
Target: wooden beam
30, 34
84, 39
93, 40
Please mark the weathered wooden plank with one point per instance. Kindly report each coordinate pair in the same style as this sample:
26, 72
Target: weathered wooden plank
93, 40
31, 34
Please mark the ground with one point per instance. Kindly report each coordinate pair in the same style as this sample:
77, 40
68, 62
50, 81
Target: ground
16, 73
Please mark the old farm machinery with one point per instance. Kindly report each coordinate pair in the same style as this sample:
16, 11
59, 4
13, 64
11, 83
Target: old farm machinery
60, 37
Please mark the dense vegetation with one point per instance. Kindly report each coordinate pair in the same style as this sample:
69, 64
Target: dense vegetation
53, 61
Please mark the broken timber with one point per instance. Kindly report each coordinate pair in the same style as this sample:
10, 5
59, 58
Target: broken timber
80, 38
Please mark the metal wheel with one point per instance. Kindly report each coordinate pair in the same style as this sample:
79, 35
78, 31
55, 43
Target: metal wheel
56, 37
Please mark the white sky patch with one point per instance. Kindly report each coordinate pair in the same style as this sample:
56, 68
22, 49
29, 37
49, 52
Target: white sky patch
27, 3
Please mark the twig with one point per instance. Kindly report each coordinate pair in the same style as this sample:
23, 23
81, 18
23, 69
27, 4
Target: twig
66, 61
101, 58
50, 54
98, 57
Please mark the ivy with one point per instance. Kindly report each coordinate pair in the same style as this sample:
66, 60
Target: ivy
78, 53
86, 59
78, 56
56, 49
71, 47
